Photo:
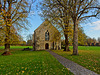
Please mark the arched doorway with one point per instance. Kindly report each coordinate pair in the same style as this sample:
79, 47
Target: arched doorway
46, 46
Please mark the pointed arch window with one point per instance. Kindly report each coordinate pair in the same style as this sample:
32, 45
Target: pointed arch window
47, 35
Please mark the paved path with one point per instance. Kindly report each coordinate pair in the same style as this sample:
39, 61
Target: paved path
73, 67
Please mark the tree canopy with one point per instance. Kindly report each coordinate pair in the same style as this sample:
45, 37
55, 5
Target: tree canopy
13, 17
74, 10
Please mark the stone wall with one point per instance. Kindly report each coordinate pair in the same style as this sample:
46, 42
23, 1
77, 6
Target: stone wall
39, 37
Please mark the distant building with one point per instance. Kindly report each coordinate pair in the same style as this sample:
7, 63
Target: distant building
44, 37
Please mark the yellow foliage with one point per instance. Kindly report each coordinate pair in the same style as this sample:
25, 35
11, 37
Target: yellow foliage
12, 20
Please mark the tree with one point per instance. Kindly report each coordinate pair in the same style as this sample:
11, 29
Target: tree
29, 37
94, 41
99, 39
1, 36
82, 37
77, 10
13, 13
29, 42
91, 41
14, 36
59, 17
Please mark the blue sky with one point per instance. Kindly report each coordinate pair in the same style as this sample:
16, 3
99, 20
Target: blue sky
91, 27
35, 21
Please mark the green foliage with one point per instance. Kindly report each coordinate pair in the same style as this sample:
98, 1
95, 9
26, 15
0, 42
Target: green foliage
31, 63
88, 57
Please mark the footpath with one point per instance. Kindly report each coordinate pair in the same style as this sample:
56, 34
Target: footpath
75, 68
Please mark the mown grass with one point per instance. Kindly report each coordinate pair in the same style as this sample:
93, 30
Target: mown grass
31, 63
87, 47
16, 47
89, 57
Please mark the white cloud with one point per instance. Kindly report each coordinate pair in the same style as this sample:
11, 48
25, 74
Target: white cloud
94, 25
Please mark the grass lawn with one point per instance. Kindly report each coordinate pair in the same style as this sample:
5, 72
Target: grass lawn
31, 63
89, 57
16, 47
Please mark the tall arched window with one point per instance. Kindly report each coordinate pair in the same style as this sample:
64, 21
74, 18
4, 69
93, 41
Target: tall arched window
47, 35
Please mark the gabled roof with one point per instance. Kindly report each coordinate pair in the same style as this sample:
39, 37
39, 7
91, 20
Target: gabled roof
46, 22
41, 25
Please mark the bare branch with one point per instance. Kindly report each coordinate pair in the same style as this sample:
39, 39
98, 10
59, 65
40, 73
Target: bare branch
93, 7
81, 12
89, 16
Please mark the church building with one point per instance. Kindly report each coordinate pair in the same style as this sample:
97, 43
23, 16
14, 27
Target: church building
46, 36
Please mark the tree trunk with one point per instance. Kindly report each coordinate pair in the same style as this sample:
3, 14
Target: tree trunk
7, 47
8, 24
7, 42
66, 43
7, 39
75, 38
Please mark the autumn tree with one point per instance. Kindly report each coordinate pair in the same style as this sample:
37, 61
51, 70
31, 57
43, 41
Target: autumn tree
79, 10
13, 13
59, 18
82, 37
91, 41
1, 36
14, 36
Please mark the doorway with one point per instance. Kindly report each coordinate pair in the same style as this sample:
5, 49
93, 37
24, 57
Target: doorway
46, 46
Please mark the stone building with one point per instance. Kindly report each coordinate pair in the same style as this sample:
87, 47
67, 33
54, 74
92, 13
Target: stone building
46, 36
